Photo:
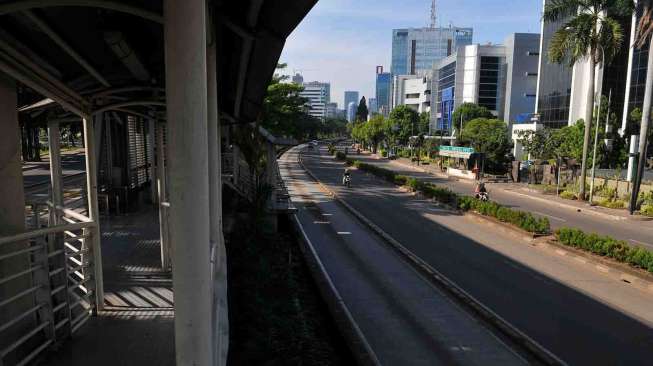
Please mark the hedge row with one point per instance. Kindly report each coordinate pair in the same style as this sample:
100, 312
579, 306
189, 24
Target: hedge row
521, 219
607, 247
524, 220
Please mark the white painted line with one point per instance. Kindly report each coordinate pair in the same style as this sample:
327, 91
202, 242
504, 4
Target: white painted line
561, 252
550, 216
327, 214
639, 242
321, 222
344, 233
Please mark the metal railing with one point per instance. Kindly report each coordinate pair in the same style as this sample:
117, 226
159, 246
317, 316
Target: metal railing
48, 293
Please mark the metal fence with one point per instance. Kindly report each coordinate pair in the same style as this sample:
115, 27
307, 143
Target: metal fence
48, 293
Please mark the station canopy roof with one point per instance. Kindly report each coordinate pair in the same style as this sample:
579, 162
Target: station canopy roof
96, 55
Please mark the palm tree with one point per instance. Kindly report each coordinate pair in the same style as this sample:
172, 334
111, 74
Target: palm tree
644, 32
591, 34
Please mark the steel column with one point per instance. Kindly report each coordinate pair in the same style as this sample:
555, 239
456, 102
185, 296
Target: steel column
162, 198
186, 92
93, 212
151, 132
54, 148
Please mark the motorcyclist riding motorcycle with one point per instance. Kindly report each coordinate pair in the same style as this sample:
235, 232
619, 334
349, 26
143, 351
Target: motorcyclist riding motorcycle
480, 192
346, 178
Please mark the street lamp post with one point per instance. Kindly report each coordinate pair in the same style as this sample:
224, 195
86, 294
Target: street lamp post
596, 134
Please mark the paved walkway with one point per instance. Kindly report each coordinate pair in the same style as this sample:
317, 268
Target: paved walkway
406, 320
137, 324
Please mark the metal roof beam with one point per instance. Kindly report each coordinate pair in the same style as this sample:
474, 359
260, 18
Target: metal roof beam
23, 5
66, 47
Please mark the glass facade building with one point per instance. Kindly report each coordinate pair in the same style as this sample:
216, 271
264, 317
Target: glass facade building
445, 96
351, 96
416, 50
383, 92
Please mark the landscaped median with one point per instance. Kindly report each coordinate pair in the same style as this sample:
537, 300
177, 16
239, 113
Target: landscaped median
606, 246
523, 220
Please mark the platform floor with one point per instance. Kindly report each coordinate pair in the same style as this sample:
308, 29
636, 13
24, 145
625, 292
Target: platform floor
137, 324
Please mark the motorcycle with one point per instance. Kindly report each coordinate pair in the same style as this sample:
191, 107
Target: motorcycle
483, 196
346, 180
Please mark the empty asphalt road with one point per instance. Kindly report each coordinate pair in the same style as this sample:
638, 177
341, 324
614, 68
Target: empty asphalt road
581, 315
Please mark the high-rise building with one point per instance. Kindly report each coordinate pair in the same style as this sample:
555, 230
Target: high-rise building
318, 95
372, 106
501, 78
383, 90
332, 110
416, 50
350, 96
298, 79
412, 91
351, 111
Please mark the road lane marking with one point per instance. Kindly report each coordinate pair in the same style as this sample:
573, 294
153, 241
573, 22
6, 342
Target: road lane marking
581, 260
639, 242
327, 214
602, 268
553, 217
321, 222
561, 252
344, 233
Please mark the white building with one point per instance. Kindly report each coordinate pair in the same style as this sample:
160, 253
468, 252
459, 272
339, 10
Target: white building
412, 91
318, 95
332, 110
351, 111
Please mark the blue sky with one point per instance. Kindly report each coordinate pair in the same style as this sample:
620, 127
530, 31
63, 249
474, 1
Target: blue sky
342, 41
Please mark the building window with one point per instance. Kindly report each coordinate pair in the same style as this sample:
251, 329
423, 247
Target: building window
531, 74
529, 95
532, 53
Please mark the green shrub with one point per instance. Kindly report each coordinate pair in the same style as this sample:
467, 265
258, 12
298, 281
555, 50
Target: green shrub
607, 247
401, 180
340, 155
646, 210
612, 204
521, 219
568, 195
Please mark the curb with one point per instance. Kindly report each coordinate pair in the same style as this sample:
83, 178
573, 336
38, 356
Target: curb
539, 353
621, 271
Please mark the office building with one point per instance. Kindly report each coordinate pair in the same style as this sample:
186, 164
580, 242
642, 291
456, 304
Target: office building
352, 107
383, 91
522, 62
318, 95
350, 96
412, 91
298, 79
416, 50
372, 106
332, 110
501, 78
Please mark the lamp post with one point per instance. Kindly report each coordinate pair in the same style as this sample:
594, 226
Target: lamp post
596, 134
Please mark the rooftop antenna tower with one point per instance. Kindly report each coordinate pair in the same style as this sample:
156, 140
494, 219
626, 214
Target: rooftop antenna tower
433, 14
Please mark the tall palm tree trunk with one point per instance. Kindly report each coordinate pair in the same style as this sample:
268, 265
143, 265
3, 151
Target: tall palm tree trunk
589, 111
643, 131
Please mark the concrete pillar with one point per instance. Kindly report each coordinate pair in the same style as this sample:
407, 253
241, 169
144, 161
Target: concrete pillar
54, 148
93, 212
186, 96
162, 198
12, 208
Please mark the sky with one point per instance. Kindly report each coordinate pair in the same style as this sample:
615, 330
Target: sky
342, 41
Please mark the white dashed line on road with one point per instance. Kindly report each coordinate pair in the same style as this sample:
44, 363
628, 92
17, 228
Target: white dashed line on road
344, 233
321, 222
639, 242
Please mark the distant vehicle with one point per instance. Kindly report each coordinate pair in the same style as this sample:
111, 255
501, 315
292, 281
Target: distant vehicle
346, 180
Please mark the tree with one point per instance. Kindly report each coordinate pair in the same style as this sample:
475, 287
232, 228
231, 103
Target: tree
491, 137
424, 122
361, 112
468, 112
644, 32
591, 33
404, 123
284, 110
540, 144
